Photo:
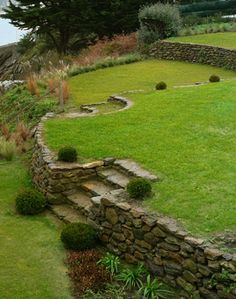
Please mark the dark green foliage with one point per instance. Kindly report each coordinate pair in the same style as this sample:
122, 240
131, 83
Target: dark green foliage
67, 154
79, 236
111, 263
158, 21
132, 278
209, 8
161, 86
110, 62
214, 78
139, 188
154, 289
68, 23
30, 202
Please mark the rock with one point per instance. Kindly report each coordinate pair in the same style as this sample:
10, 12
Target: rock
190, 265
190, 277
204, 270
143, 244
111, 216
158, 232
172, 267
195, 242
151, 239
185, 285
212, 254
118, 237
139, 255
130, 259
170, 247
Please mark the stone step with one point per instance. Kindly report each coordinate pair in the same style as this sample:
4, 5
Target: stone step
67, 214
114, 177
80, 200
96, 187
132, 168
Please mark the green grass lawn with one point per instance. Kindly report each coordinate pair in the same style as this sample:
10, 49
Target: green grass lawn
187, 135
220, 39
98, 86
31, 254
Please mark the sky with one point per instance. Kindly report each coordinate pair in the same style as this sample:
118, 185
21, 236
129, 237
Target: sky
8, 33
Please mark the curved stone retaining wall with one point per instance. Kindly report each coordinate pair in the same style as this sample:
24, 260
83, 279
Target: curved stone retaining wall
56, 179
136, 235
166, 248
195, 53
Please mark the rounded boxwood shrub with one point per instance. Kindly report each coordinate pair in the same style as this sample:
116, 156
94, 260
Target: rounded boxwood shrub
30, 202
214, 78
139, 188
79, 236
67, 154
161, 86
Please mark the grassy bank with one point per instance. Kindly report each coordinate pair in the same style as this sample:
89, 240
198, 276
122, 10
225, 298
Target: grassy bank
186, 135
220, 39
31, 255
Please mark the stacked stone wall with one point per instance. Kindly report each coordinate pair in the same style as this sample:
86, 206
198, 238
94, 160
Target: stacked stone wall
195, 53
183, 261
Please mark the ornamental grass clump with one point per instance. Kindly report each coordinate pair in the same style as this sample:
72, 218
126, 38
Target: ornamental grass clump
79, 236
161, 85
138, 188
214, 78
68, 154
7, 149
30, 202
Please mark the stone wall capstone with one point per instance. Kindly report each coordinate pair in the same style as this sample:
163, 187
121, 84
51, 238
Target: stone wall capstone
194, 53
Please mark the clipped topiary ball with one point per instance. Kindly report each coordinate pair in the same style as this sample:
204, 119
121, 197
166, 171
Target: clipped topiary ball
79, 236
67, 154
161, 86
139, 188
30, 202
214, 78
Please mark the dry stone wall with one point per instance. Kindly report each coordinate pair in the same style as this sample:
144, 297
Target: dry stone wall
166, 248
195, 53
57, 179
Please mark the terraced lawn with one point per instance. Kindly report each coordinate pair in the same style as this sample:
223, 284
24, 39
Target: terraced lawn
220, 39
187, 135
31, 255
98, 86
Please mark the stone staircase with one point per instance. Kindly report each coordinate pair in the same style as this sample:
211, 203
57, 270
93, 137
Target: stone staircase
112, 180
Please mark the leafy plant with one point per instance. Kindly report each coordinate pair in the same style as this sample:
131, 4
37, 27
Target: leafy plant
139, 188
30, 202
111, 263
214, 78
132, 278
86, 274
153, 289
161, 86
79, 236
157, 22
67, 154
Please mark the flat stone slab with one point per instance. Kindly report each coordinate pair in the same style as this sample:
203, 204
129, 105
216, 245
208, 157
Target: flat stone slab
80, 200
114, 177
136, 170
96, 187
67, 214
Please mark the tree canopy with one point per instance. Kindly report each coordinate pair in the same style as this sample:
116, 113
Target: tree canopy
62, 20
